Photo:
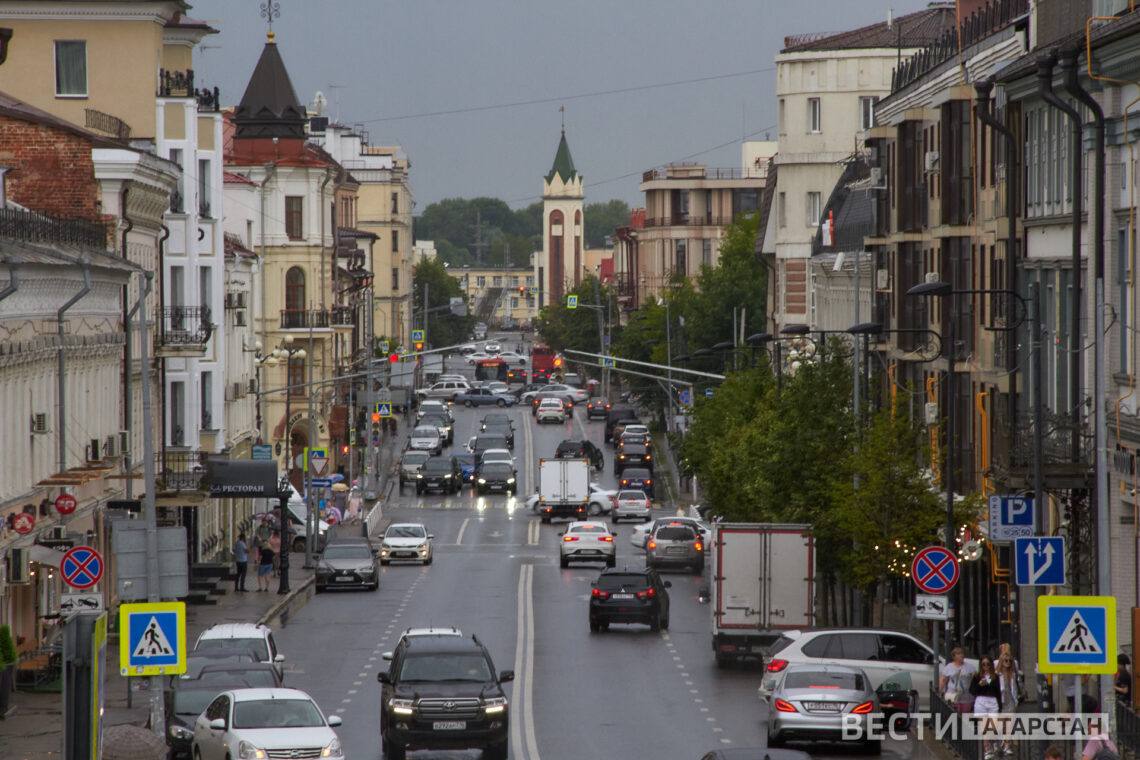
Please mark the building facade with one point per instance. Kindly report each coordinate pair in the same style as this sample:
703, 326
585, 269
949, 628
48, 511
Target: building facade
500, 297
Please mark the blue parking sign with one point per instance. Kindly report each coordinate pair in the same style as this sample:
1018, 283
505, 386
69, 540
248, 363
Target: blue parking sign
1011, 517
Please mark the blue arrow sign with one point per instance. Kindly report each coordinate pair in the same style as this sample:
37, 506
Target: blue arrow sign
1040, 561
1076, 634
320, 482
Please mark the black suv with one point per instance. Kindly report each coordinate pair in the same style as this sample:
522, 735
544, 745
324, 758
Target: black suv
629, 596
500, 428
581, 450
439, 474
619, 413
440, 693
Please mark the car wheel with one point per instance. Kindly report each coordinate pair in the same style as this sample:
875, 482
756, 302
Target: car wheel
775, 740
564, 562
496, 752
469, 404
500, 403
396, 752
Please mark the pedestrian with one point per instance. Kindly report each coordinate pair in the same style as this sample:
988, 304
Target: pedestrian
955, 681
1054, 752
275, 547
1100, 746
265, 560
241, 559
1010, 679
986, 688
1122, 685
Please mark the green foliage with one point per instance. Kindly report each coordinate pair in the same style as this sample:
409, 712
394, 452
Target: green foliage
602, 219
444, 328
8, 654
576, 329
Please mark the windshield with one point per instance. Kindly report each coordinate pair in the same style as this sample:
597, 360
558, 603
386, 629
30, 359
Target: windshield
193, 701
416, 457
348, 552
804, 680
438, 466
405, 531
496, 470
484, 442
446, 667
618, 581
257, 646
631, 496
435, 419
277, 713
254, 679
674, 534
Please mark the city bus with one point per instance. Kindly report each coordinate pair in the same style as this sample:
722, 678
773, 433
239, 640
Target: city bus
491, 369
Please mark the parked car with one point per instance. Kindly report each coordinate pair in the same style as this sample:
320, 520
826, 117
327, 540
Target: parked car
484, 397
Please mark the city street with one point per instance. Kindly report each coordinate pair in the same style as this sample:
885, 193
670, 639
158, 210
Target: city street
625, 693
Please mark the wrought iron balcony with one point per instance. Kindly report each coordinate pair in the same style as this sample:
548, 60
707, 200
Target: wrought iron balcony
180, 471
304, 319
185, 328
344, 316
177, 204
31, 227
209, 100
180, 84
105, 122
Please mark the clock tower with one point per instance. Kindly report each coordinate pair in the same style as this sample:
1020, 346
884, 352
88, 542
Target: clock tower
563, 242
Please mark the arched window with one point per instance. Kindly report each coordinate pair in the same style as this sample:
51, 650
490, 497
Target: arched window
556, 233
578, 247
295, 289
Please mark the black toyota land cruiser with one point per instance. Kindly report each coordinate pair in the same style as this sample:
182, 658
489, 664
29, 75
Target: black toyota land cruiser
441, 693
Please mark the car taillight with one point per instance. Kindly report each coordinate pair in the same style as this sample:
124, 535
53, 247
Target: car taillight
649, 482
651, 545
698, 546
647, 456
775, 666
607, 539
624, 482
864, 708
599, 594
569, 538
784, 705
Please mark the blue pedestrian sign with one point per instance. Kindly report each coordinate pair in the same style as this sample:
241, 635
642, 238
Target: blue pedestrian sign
708, 392
384, 408
1076, 634
685, 397
608, 362
571, 301
1040, 561
418, 336
1011, 517
152, 639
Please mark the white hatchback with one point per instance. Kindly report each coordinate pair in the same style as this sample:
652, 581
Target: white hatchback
631, 505
550, 410
587, 541
259, 723
426, 438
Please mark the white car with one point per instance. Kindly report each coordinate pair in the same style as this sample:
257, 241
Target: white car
477, 356
444, 389
631, 505
641, 533
470, 348
497, 387
601, 500
407, 541
426, 438
434, 406
550, 410
587, 541
497, 455
492, 348
636, 429
261, 723
453, 378
251, 637
512, 357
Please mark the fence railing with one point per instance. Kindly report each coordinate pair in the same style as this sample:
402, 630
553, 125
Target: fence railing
689, 220
304, 319
343, 315
185, 326
28, 226
1127, 728
105, 122
181, 470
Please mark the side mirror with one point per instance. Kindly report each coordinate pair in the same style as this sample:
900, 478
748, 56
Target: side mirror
668, 584
334, 721
506, 675
386, 656
563, 533
382, 677
593, 584
218, 724
279, 658
431, 535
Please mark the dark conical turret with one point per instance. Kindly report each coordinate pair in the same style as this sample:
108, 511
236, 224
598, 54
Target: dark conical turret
270, 107
563, 163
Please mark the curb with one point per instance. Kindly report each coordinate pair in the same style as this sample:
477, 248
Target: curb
282, 606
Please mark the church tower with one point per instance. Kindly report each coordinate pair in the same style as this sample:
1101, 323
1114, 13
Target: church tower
563, 222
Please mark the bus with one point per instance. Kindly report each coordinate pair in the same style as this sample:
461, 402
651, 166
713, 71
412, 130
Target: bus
491, 369
544, 363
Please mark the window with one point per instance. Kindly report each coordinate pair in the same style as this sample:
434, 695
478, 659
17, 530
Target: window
815, 116
296, 377
814, 208
867, 111
782, 209
294, 207
204, 188
903, 649
1124, 308
496, 281
818, 647
207, 401
395, 203
71, 68
177, 286
514, 302
859, 646
706, 252
177, 413
481, 281
295, 289
530, 280
205, 291
395, 279
395, 241
681, 260
781, 118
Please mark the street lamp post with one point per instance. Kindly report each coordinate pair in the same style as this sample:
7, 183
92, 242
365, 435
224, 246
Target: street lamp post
285, 353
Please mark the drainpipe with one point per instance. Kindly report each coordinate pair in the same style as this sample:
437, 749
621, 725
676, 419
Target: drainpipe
62, 365
13, 281
1045, 88
161, 331
321, 206
270, 173
128, 358
985, 113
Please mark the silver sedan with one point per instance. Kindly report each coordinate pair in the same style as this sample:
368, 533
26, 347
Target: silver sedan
817, 702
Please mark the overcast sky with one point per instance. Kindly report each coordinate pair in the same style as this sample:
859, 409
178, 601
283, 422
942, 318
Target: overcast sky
396, 58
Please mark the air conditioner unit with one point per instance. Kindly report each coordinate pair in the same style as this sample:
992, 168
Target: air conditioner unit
239, 300
931, 160
239, 318
124, 441
40, 422
252, 385
20, 565
877, 179
111, 446
94, 450
882, 279
932, 277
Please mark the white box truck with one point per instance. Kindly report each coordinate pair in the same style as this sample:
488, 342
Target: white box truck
763, 580
563, 488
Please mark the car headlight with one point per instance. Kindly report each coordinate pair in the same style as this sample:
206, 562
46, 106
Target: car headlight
400, 706
366, 570
447, 477
180, 733
247, 751
419, 476
510, 480
495, 705
482, 481
333, 749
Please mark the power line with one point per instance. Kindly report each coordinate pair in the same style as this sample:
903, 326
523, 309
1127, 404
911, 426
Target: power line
563, 98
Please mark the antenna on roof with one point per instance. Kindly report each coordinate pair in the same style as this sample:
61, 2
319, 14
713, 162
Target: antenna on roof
890, 18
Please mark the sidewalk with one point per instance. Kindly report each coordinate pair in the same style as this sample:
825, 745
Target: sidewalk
34, 730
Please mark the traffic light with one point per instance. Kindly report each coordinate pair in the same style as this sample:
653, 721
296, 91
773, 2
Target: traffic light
375, 428
344, 449
393, 358
419, 345
558, 361
522, 290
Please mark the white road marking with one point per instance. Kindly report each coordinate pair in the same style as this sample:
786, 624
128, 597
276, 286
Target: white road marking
516, 741
352, 691
528, 444
462, 528
528, 713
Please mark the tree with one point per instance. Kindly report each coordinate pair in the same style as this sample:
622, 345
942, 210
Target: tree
577, 329
602, 219
444, 328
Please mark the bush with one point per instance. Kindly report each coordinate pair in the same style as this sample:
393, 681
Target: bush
7, 647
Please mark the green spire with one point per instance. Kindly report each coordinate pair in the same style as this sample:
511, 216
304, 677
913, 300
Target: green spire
563, 163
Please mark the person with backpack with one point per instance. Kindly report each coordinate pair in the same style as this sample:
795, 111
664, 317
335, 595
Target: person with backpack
1100, 746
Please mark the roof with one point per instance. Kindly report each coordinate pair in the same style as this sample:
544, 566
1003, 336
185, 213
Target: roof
270, 106
1103, 34
15, 251
438, 644
914, 30
853, 205
233, 178
234, 631
563, 162
18, 109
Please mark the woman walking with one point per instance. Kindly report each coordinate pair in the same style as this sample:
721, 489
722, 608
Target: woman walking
955, 681
1010, 680
986, 688
241, 559
264, 567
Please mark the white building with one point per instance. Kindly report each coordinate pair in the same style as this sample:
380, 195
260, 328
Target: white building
559, 267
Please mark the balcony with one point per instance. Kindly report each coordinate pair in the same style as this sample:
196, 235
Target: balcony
180, 84
180, 471
304, 319
184, 330
1059, 467
343, 316
688, 220
30, 227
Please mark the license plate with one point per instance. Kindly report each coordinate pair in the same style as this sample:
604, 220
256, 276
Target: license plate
623, 596
449, 725
822, 706
496, 488
675, 550
404, 554
344, 580
588, 551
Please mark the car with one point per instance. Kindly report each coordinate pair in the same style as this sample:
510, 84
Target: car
454, 378
587, 541
439, 474
634, 439
496, 477
493, 348
675, 546
248, 723
637, 477
557, 390
410, 465
496, 418
444, 389
258, 638
619, 413
597, 407
619, 429
630, 505
531, 388
506, 430
406, 541
443, 425
642, 532
572, 378
484, 397
496, 386
426, 438
496, 455
344, 564
821, 702
443, 693
252, 674
629, 596
477, 357
884, 655
512, 357
412, 633
480, 443
470, 348
632, 455
550, 410
184, 700
581, 449
517, 375
435, 406
636, 428
245, 653
467, 463
537, 399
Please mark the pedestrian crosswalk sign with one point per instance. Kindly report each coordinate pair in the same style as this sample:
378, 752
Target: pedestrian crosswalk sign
152, 639
1076, 634
384, 408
